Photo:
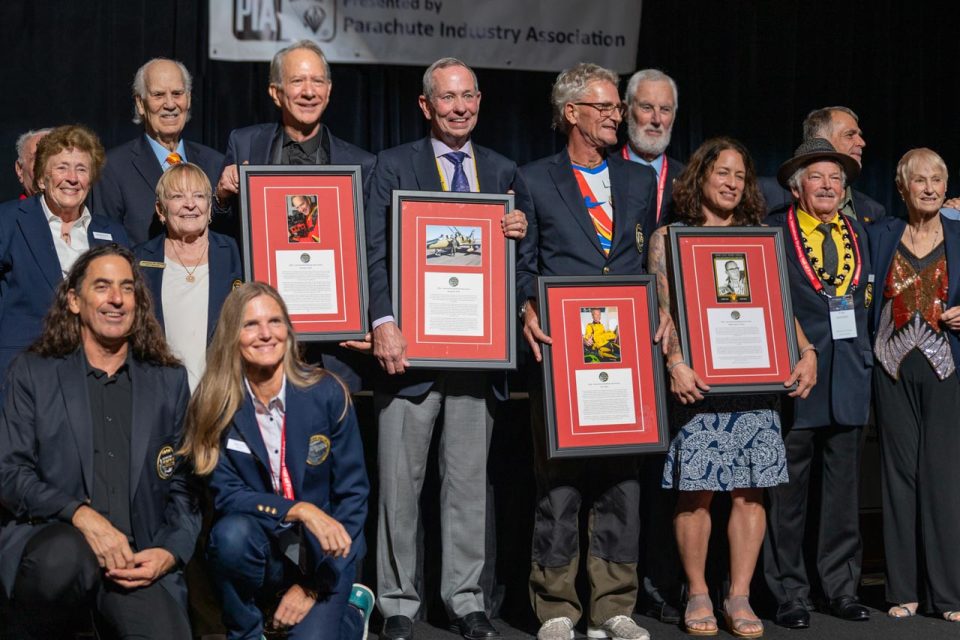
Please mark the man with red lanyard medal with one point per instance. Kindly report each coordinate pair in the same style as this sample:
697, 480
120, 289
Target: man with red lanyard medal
651, 99
828, 265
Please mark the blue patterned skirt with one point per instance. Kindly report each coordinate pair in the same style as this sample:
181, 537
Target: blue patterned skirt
726, 443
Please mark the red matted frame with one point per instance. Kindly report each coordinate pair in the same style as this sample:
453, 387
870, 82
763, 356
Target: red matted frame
318, 263
608, 400
736, 343
454, 279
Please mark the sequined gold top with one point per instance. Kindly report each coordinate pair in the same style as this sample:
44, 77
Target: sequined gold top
914, 296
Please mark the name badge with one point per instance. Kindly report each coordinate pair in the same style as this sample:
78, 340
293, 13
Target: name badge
152, 264
843, 320
238, 445
101, 235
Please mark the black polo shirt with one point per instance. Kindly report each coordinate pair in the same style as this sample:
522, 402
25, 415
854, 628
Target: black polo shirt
315, 150
111, 414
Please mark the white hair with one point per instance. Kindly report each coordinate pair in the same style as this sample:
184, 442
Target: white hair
649, 75
572, 84
25, 137
139, 84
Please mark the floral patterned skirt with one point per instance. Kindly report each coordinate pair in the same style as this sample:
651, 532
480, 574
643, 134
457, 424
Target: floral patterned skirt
726, 443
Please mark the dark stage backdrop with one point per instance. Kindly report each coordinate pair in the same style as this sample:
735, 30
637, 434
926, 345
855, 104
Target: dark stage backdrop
750, 69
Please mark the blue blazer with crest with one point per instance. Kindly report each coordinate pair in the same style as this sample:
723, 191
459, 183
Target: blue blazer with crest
46, 458
561, 239
225, 271
884, 239
842, 393
324, 456
127, 189
30, 270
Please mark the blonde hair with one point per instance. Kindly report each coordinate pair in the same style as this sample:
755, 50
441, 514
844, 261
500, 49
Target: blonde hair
221, 392
911, 159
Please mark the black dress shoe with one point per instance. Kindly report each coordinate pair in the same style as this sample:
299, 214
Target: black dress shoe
662, 611
793, 614
397, 628
849, 608
475, 626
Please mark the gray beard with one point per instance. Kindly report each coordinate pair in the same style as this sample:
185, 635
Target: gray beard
640, 143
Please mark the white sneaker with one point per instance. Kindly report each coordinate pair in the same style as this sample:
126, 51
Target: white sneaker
619, 628
556, 629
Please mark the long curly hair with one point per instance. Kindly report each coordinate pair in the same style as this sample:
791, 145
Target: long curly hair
221, 391
688, 188
62, 328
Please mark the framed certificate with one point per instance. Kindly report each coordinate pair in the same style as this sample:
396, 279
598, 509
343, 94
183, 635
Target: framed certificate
454, 279
603, 375
303, 234
734, 314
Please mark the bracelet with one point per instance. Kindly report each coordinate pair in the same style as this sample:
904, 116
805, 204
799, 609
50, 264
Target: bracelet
671, 367
809, 347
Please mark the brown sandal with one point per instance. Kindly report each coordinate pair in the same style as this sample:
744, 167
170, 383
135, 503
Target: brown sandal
694, 602
736, 625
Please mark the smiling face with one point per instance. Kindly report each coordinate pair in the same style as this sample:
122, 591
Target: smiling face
846, 136
650, 121
820, 190
924, 190
65, 182
105, 302
185, 207
453, 108
594, 128
304, 91
263, 335
166, 106
722, 187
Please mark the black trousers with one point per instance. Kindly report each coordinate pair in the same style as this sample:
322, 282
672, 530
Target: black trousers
59, 574
917, 417
836, 451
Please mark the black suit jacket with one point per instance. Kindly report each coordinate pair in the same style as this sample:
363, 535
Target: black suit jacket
842, 393
884, 239
561, 239
225, 270
46, 458
126, 192
666, 214
778, 200
413, 166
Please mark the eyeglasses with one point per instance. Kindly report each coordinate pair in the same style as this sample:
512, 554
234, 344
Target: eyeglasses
605, 109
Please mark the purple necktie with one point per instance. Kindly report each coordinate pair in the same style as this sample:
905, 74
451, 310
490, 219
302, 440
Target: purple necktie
460, 183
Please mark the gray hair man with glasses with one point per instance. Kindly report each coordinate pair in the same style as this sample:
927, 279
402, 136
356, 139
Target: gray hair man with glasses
590, 212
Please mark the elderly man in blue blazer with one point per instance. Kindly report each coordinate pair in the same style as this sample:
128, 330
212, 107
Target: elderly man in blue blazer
408, 403
300, 86
41, 236
161, 102
830, 274
590, 213
95, 507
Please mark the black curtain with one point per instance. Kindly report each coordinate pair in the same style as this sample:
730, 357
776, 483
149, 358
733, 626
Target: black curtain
751, 69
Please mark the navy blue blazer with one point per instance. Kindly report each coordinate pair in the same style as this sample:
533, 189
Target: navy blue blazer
884, 239
413, 166
30, 270
324, 455
842, 393
778, 200
46, 458
667, 213
561, 239
225, 271
127, 189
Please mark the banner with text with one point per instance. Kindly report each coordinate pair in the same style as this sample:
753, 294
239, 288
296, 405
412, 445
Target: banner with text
534, 35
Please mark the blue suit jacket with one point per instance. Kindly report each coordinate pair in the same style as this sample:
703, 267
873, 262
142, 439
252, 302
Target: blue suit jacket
413, 166
842, 393
30, 270
778, 200
225, 269
255, 145
561, 239
884, 239
324, 455
126, 192
46, 458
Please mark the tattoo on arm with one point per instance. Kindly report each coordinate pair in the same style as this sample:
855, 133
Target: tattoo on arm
657, 265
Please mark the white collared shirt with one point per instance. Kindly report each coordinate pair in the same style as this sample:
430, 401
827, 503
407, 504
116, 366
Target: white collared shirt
270, 420
69, 246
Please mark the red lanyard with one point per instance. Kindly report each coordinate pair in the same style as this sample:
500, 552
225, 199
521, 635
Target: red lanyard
661, 181
285, 482
794, 225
